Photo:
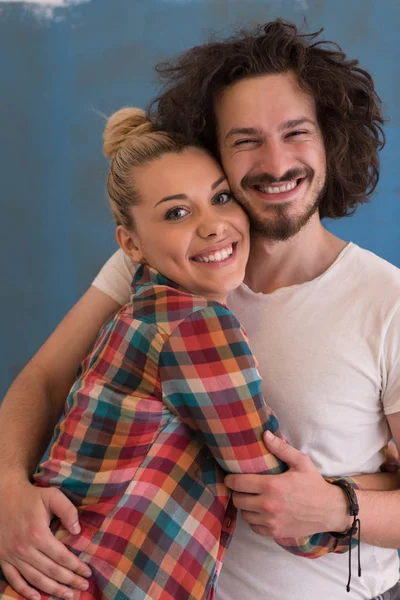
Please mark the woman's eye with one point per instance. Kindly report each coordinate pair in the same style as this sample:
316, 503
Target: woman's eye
176, 213
223, 198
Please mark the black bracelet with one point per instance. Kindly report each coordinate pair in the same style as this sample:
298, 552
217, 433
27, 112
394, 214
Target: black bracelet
355, 526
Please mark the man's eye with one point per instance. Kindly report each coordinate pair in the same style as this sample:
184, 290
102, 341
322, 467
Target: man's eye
246, 141
176, 213
223, 198
296, 133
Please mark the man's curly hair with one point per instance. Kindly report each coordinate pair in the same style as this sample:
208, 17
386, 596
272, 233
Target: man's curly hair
349, 110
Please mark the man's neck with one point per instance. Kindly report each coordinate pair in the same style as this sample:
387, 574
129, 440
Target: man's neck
302, 258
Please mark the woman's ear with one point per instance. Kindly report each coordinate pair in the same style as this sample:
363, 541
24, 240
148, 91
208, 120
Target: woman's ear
129, 243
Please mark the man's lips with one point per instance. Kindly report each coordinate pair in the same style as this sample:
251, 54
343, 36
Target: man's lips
278, 191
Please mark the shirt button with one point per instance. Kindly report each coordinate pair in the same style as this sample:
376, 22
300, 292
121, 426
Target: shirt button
228, 523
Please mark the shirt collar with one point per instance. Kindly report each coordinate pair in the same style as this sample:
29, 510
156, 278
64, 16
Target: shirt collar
146, 275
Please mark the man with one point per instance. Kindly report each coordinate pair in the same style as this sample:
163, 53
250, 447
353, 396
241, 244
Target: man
297, 128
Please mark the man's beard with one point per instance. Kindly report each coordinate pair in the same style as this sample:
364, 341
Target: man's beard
282, 226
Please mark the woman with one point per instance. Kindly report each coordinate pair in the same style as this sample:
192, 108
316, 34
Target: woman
169, 398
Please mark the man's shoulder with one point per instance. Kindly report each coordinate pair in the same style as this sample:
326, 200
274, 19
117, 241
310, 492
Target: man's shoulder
375, 268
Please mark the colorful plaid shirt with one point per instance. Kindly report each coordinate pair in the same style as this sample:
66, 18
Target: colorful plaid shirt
167, 402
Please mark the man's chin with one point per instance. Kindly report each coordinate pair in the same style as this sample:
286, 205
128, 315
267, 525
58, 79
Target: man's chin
278, 232
281, 228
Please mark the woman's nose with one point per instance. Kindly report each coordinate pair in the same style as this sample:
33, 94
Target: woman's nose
210, 227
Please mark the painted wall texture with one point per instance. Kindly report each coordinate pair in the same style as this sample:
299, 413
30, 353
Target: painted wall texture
64, 64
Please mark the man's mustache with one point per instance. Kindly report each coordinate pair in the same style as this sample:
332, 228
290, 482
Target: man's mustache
262, 179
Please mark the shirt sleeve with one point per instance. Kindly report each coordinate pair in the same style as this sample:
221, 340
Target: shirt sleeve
210, 380
100, 441
115, 277
391, 365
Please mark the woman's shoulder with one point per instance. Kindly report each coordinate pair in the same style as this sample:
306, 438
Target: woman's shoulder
169, 306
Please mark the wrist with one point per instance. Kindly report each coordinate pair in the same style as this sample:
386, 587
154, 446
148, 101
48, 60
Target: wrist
340, 519
13, 477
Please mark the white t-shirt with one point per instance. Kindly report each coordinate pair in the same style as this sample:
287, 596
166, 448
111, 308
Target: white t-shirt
329, 354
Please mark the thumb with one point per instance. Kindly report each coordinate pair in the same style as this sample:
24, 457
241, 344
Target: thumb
63, 508
284, 451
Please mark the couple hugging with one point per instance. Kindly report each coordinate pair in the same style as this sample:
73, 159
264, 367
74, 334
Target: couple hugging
169, 428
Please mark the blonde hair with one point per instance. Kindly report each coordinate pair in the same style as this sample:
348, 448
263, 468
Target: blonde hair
130, 140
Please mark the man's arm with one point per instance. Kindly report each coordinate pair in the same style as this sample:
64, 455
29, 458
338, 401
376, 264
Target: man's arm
28, 415
34, 402
379, 511
301, 502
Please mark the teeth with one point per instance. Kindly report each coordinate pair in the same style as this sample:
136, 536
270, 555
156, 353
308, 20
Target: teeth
286, 187
217, 256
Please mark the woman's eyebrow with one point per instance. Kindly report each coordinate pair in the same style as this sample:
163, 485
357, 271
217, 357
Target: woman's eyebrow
173, 197
184, 196
218, 182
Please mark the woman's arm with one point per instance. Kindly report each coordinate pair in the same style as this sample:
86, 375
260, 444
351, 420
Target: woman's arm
28, 415
210, 380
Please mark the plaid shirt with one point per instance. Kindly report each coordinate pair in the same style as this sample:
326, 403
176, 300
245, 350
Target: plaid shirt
166, 403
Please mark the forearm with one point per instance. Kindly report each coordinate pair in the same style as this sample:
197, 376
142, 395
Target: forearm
35, 401
379, 517
379, 501
379, 481
28, 414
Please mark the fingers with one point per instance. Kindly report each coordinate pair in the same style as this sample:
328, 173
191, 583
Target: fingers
250, 484
50, 565
248, 502
392, 461
59, 563
392, 451
18, 583
260, 523
63, 508
260, 530
286, 452
55, 571
30, 553
44, 583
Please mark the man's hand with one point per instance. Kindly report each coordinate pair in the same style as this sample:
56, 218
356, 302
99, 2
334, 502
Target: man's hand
29, 552
296, 503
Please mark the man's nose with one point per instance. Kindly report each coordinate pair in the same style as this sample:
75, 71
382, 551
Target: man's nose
274, 159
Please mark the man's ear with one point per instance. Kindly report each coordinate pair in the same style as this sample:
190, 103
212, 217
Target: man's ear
129, 243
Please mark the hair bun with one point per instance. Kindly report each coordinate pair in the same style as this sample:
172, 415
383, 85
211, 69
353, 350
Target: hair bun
124, 125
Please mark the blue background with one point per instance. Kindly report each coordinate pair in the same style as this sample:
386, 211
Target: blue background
59, 75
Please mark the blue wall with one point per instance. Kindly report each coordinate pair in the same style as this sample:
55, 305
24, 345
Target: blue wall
61, 73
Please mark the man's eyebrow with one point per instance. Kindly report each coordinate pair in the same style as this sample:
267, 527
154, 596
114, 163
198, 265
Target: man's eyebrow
242, 131
282, 127
295, 123
184, 196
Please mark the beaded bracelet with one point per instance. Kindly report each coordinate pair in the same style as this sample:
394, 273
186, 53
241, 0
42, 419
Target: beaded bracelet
355, 526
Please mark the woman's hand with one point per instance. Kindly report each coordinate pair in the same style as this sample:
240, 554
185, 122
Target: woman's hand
392, 460
30, 555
